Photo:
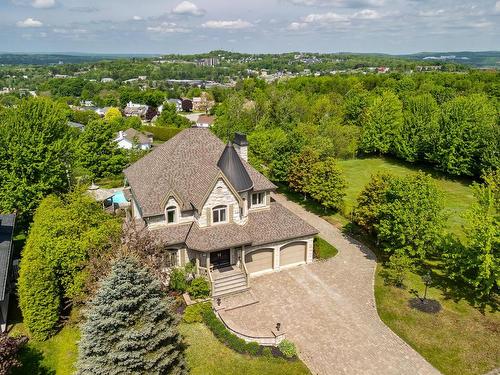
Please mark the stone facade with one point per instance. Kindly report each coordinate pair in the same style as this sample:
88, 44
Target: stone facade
221, 195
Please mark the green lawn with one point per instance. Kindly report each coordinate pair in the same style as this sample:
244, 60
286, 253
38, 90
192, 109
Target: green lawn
457, 193
323, 249
56, 356
208, 356
460, 339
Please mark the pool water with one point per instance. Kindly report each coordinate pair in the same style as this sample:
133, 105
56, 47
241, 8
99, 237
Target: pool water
118, 197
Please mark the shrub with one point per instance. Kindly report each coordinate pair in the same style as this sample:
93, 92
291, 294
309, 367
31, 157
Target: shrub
161, 133
287, 348
323, 249
222, 333
199, 288
267, 352
38, 297
178, 280
193, 313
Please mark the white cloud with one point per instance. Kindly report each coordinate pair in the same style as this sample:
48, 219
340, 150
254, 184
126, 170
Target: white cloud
188, 8
431, 13
43, 3
338, 3
366, 14
29, 22
137, 18
235, 24
69, 31
167, 28
295, 26
497, 7
329, 17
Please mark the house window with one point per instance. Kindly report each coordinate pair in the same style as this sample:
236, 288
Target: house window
219, 214
171, 213
170, 258
258, 199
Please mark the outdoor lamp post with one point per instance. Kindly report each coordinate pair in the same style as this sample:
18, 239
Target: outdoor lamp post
278, 326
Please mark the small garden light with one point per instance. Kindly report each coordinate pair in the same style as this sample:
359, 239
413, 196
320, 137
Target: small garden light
278, 326
218, 301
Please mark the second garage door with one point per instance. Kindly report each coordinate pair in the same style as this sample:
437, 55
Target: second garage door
293, 253
259, 260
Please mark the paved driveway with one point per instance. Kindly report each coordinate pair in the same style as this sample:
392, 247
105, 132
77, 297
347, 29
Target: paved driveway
328, 309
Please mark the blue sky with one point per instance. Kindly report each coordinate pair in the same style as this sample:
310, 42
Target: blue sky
163, 26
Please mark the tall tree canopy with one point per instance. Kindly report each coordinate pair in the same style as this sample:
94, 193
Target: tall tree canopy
35, 154
131, 327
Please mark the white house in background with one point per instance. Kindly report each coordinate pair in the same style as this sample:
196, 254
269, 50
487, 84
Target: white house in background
132, 139
107, 80
177, 102
204, 121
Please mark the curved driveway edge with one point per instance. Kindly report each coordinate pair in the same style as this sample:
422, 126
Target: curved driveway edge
328, 309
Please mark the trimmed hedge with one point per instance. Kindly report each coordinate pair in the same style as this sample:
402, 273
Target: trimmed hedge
161, 133
323, 249
225, 336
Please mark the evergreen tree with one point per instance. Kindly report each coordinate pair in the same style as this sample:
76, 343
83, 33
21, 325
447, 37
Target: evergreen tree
130, 327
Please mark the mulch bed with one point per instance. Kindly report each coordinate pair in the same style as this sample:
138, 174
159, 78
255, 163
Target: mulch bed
430, 306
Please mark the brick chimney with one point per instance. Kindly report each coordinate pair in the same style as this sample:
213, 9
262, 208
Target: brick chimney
240, 144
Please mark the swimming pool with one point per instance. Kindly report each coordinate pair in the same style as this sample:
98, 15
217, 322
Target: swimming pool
119, 197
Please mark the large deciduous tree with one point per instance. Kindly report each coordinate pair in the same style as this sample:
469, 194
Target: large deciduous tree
468, 137
35, 154
96, 152
327, 184
382, 121
477, 261
411, 219
131, 327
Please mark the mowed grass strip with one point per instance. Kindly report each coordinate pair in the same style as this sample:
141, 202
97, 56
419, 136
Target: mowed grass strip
208, 356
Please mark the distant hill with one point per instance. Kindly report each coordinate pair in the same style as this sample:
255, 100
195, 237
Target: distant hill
483, 59
60, 58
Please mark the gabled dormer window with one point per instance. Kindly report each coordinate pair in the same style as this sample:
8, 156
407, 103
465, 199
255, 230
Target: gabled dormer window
171, 214
258, 199
219, 214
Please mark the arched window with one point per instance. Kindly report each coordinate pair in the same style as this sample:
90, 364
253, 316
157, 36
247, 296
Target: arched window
219, 214
171, 214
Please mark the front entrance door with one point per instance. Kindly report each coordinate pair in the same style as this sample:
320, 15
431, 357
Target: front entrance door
220, 259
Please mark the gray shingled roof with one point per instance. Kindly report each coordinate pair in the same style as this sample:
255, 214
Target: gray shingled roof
186, 166
263, 227
134, 135
6, 231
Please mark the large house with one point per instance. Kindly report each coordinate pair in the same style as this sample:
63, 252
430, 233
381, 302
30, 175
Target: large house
6, 231
207, 205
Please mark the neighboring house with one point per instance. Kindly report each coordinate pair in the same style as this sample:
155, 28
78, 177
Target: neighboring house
134, 109
76, 125
133, 139
177, 102
7, 223
107, 80
187, 104
205, 121
207, 205
202, 103
102, 111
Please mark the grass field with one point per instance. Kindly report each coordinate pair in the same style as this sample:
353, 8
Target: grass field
460, 339
208, 356
457, 193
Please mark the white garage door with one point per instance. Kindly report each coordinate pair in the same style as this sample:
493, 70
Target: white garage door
259, 260
293, 253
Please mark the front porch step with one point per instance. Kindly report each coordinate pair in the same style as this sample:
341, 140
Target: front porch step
229, 283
